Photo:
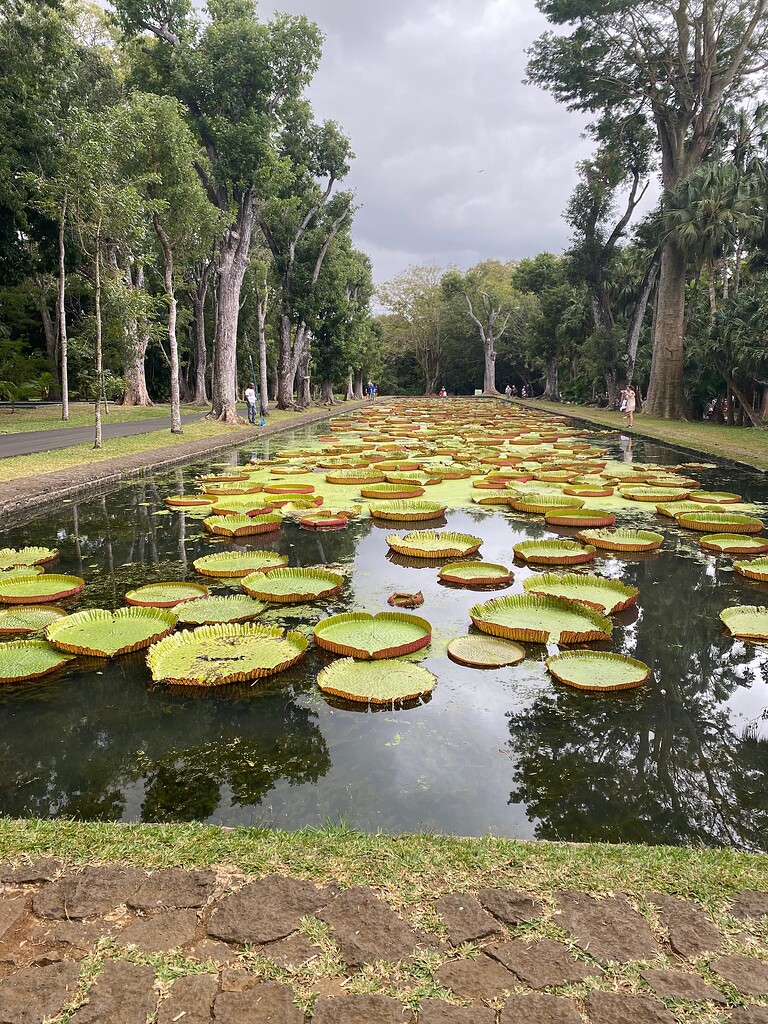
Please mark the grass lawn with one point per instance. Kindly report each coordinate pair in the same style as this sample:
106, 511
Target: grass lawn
34, 465
741, 444
81, 415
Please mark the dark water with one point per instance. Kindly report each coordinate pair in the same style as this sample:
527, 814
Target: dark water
684, 760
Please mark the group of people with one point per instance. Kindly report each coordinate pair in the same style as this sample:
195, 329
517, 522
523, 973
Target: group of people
371, 391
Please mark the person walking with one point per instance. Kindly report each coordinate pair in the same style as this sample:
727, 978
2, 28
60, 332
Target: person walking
250, 400
629, 402
508, 390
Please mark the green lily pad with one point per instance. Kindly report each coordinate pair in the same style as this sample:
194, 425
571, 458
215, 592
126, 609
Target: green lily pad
208, 611
243, 505
485, 651
21, 570
715, 498
430, 544
12, 558
405, 510
580, 517
531, 502
754, 569
21, 660
598, 671
165, 595
622, 540
231, 564
750, 622
720, 522
380, 682
391, 492
386, 635
104, 634
39, 589
672, 509
536, 619
554, 552
188, 501
607, 596
242, 526
734, 543
476, 574
225, 653
355, 476
638, 492
291, 586
33, 619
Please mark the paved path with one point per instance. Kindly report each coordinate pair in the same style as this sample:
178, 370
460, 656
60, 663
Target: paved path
97, 943
28, 442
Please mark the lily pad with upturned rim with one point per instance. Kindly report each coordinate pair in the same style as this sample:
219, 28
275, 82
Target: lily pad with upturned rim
598, 671
672, 509
542, 503
23, 660
209, 611
21, 570
554, 552
390, 492
292, 586
607, 596
485, 651
654, 494
432, 545
747, 621
536, 619
583, 517
12, 558
476, 574
165, 595
189, 500
722, 522
734, 543
39, 589
755, 569
104, 634
622, 540
715, 498
34, 619
376, 682
407, 510
361, 635
225, 653
242, 526
232, 564
355, 476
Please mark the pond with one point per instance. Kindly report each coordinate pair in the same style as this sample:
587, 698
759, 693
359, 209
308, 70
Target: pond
682, 760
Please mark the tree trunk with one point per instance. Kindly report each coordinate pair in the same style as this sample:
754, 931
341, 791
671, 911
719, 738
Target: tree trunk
666, 394
612, 389
62, 316
49, 330
350, 393
137, 338
303, 393
99, 367
489, 378
746, 407
636, 324
232, 266
202, 277
173, 345
357, 392
326, 393
552, 390
261, 314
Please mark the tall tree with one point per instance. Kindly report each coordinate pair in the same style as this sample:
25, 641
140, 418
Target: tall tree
679, 65
415, 325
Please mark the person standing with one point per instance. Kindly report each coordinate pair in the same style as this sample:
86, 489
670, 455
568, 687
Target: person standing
508, 390
630, 404
250, 400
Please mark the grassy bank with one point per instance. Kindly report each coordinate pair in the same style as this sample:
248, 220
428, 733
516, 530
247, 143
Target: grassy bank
408, 867
13, 421
739, 444
21, 466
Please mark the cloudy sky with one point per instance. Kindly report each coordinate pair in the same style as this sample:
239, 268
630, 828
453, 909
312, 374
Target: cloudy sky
456, 159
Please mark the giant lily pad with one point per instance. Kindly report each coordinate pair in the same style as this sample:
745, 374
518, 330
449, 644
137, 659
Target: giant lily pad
39, 589
165, 595
734, 543
20, 619
476, 574
355, 476
622, 540
405, 510
21, 660
485, 651
391, 492
540, 620
607, 596
243, 505
715, 498
544, 502
219, 489
104, 634
21, 570
225, 653
12, 558
755, 569
554, 552
720, 522
638, 492
381, 682
386, 635
580, 517
429, 544
747, 621
188, 501
242, 526
207, 611
231, 564
672, 509
598, 671
290, 586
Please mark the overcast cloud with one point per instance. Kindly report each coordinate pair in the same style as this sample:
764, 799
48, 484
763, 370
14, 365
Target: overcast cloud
456, 159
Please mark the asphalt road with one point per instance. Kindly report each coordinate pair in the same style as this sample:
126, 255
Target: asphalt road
46, 440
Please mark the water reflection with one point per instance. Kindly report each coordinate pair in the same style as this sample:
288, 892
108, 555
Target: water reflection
682, 761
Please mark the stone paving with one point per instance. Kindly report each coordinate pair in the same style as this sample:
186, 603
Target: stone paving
118, 945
